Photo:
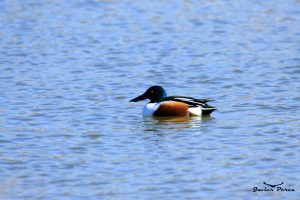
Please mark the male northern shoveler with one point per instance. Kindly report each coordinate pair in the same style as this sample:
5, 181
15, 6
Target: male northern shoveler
162, 105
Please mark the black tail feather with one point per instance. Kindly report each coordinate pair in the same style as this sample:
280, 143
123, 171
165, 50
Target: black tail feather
208, 109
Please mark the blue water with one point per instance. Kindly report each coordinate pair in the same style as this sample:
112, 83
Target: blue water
69, 68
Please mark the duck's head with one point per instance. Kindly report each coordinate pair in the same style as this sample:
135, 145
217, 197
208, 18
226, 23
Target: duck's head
155, 94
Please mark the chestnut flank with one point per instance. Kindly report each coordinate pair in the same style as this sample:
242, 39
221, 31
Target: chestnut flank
172, 108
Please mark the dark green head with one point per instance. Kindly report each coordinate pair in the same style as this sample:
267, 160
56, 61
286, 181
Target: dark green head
155, 94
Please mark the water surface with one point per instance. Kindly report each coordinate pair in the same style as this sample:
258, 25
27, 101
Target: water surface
68, 70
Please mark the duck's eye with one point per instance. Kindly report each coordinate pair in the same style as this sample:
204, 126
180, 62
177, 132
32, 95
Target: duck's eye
151, 91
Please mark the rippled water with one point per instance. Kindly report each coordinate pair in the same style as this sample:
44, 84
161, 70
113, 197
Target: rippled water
69, 68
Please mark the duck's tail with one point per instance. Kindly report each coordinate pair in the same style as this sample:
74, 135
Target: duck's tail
208, 109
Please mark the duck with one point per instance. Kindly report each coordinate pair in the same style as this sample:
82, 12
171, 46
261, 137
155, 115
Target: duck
163, 105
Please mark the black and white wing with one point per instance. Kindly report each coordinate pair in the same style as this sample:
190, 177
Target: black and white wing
193, 103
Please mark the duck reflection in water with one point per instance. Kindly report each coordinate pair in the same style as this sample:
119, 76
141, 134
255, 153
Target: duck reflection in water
175, 122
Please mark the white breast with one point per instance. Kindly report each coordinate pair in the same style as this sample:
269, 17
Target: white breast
150, 108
